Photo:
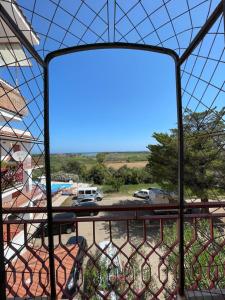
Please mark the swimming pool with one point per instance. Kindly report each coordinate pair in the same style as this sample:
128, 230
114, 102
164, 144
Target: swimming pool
58, 186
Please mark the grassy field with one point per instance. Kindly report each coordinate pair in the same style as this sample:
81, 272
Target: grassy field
127, 189
126, 156
112, 159
116, 165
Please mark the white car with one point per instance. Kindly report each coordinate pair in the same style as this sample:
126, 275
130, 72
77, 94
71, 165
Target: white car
159, 196
90, 192
144, 194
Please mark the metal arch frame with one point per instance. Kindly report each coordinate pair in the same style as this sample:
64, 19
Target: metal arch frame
219, 10
130, 46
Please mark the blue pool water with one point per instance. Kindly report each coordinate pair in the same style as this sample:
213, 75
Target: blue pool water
59, 186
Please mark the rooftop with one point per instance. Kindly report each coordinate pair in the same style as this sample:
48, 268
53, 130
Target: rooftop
6, 131
36, 275
11, 99
12, 53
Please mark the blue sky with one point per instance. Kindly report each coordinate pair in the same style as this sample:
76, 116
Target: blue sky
113, 100
110, 100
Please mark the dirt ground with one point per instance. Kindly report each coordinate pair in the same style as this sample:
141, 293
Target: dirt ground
101, 228
117, 165
133, 239
127, 236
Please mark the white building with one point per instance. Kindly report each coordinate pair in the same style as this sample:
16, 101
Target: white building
15, 143
12, 53
15, 148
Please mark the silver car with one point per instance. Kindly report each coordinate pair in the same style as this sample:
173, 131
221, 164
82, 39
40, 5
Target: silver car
92, 193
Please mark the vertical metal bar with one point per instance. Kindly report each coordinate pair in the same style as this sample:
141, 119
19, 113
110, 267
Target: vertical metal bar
48, 184
224, 17
180, 182
2, 257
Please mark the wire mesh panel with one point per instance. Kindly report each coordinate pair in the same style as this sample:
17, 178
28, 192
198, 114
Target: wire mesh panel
21, 136
203, 116
141, 256
169, 24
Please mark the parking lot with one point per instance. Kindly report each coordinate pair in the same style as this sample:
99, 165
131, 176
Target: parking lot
97, 230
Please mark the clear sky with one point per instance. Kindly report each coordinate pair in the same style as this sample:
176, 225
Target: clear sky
110, 100
113, 100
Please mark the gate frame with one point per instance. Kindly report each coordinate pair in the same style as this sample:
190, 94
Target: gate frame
130, 46
219, 10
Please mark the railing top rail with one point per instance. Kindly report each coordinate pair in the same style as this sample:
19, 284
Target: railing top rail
119, 218
106, 208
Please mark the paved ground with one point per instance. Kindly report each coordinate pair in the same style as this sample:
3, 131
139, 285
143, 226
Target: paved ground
145, 239
96, 231
102, 228
128, 237
124, 236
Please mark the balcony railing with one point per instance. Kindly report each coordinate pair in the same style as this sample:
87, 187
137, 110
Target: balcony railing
128, 253
11, 176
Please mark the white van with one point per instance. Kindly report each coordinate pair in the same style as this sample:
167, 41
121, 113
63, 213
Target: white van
90, 192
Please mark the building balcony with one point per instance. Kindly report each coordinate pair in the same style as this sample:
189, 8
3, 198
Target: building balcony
122, 253
13, 105
11, 176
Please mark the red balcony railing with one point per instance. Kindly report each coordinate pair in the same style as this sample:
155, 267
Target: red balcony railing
122, 255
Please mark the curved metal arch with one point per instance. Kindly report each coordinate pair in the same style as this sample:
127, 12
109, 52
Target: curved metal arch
101, 46
130, 46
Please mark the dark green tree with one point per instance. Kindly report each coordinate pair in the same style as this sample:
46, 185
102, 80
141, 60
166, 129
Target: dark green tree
97, 174
75, 167
100, 157
203, 149
115, 182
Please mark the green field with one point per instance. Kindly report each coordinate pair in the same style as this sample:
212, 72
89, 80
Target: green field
126, 156
128, 189
57, 160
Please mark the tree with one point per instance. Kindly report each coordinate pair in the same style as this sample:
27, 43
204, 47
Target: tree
115, 182
97, 174
203, 149
132, 175
100, 157
73, 166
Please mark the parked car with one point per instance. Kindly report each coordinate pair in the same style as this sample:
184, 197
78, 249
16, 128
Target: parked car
144, 194
93, 198
57, 227
157, 194
85, 204
92, 192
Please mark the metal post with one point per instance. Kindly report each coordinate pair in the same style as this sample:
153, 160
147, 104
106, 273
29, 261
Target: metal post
224, 18
180, 183
2, 256
48, 184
